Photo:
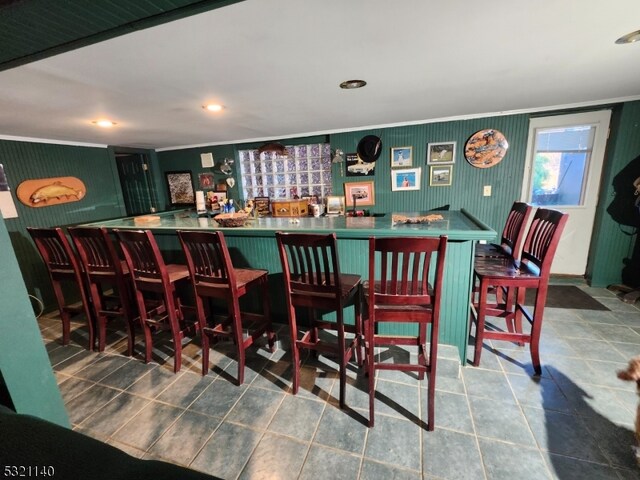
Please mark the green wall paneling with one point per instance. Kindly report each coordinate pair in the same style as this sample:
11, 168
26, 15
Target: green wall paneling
467, 181
94, 166
611, 245
24, 363
189, 159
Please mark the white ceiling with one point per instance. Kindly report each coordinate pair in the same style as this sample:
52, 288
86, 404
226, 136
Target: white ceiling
276, 66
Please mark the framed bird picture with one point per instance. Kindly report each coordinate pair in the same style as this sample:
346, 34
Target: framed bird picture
441, 153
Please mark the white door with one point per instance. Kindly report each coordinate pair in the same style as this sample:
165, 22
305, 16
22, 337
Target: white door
562, 171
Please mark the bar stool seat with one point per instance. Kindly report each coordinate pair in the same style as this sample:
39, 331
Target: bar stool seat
102, 267
63, 267
152, 276
214, 276
513, 234
400, 290
313, 280
511, 278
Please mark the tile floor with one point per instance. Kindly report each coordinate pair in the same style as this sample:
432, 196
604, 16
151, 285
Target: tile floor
492, 422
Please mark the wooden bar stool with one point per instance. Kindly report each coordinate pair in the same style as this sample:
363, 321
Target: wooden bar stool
213, 276
399, 290
151, 276
513, 277
313, 280
63, 267
512, 235
103, 268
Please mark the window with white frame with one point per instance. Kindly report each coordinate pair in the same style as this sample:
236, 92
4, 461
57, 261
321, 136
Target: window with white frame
303, 172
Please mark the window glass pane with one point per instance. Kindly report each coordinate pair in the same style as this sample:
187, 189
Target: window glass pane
304, 171
560, 165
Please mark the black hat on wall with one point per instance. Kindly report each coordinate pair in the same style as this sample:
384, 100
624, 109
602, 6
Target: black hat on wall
369, 148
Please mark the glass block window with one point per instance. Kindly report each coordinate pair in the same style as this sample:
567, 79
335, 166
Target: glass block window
305, 171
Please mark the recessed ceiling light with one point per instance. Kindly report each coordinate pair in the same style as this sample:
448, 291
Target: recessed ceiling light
104, 123
349, 84
213, 107
629, 38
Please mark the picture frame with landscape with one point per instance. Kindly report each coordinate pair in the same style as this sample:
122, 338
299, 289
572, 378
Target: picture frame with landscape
441, 153
440, 175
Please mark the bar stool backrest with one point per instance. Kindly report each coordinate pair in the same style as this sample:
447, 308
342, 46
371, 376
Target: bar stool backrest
542, 241
143, 258
515, 228
96, 250
55, 249
208, 258
310, 266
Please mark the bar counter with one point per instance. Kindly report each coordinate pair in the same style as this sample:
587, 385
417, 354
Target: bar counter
254, 246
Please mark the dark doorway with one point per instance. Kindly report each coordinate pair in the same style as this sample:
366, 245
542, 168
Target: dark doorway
134, 169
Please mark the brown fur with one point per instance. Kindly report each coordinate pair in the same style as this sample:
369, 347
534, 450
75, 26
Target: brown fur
632, 374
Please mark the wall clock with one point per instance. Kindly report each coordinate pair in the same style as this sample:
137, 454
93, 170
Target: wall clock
486, 148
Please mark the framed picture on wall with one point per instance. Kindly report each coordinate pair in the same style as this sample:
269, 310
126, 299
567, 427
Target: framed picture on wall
362, 191
401, 157
180, 187
406, 179
206, 181
440, 175
356, 167
441, 153
335, 205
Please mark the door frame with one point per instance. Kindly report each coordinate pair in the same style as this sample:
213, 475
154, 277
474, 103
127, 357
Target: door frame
598, 118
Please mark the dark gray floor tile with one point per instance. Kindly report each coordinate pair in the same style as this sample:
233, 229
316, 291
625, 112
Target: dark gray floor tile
218, 398
501, 421
616, 333
316, 383
605, 374
443, 451
184, 439
486, 383
227, 451
126, 376
576, 330
615, 441
628, 350
629, 319
77, 361
185, 389
322, 462
539, 392
628, 474
375, 471
488, 358
451, 411
62, 353
72, 387
339, 429
615, 305
566, 468
563, 434
397, 399
256, 408
102, 367
448, 384
146, 427
275, 376
297, 417
154, 382
88, 402
598, 350
394, 441
599, 316
275, 457
108, 419
505, 462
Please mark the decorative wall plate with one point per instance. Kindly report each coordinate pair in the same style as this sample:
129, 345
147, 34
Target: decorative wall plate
45, 192
486, 148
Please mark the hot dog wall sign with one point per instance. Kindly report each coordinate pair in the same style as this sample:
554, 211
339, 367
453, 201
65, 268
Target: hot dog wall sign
45, 192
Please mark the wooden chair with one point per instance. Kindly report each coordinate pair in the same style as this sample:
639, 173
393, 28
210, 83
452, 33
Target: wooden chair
151, 276
102, 268
512, 235
213, 276
513, 277
63, 267
313, 279
399, 290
